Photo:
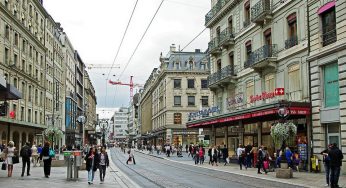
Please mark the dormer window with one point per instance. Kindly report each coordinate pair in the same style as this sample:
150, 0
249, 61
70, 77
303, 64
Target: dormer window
190, 65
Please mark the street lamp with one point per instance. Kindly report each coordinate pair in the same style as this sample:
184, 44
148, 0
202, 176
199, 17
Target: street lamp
104, 127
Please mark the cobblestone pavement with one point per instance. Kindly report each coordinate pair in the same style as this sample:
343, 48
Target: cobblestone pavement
157, 172
306, 179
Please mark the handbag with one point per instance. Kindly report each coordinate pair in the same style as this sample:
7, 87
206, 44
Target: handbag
3, 166
15, 159
266, 165
51, 153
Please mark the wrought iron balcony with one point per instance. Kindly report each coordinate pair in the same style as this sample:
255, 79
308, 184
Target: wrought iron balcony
261, 11
227, 37
213, 46
215, 10
224, 76
292, 41
264, 57
329, 37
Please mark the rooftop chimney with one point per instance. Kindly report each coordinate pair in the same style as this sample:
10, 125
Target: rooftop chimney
173, 48
197, 50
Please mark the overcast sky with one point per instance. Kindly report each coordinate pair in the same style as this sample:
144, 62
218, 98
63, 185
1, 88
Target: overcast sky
95, 29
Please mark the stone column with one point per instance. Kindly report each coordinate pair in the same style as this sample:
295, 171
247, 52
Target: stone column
241, 134
259, 135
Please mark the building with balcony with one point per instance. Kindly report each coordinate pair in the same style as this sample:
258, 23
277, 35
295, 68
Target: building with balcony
327, 68
178, 87
90, 102
22, 64
258, 53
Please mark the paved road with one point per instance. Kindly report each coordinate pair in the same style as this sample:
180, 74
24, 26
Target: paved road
155, 172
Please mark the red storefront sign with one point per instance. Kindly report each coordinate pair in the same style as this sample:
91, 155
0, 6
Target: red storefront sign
267, 95
292, 110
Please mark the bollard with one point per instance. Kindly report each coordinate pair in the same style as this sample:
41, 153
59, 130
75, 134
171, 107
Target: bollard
77, 163
69, 162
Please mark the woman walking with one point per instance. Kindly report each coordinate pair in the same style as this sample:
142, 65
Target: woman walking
34, 155
104, 162
91, 164
9, 154
47, 159
201, 155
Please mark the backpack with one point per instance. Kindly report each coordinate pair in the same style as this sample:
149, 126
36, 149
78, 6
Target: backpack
25, 152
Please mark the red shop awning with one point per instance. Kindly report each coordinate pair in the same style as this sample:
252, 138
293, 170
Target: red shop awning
298, 111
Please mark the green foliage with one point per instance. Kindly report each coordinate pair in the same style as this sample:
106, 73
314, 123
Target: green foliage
283, 132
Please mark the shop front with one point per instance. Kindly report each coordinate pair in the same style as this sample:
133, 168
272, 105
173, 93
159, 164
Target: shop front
252, 126
184, 137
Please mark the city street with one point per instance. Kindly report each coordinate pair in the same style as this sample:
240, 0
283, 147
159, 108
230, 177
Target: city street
151, 171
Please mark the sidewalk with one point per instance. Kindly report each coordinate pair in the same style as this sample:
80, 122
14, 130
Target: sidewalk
58, 179
306, 179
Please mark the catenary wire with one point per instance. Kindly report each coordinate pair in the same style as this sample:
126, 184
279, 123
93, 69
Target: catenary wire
118, 50
140, 41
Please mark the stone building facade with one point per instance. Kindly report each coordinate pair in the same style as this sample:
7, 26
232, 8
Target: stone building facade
34, 56
179, 87
258, 51
327, 62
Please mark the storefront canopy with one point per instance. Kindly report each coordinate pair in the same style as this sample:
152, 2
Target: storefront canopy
9, 92
253, 113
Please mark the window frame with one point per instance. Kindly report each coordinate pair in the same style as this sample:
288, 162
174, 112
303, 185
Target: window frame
176, 98
204, 85
191, 103
174, 83
177, 118
189, 83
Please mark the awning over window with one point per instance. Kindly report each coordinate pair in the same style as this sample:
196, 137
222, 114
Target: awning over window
326, 7
9, 92
296, 109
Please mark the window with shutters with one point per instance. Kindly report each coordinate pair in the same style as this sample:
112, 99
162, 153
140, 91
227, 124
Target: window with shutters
331, 85
250, 90
294, 91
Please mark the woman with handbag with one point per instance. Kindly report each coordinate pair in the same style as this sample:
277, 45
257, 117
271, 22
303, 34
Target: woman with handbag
92, 163
11, 158
47, 159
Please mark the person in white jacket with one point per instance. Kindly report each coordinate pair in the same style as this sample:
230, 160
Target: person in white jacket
34, 155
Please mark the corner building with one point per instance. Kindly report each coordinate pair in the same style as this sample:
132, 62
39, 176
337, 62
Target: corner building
258, 51
327, 62
179, 87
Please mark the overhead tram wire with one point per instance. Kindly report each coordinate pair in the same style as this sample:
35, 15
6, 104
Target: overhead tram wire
122, 39
140, 41
120, 45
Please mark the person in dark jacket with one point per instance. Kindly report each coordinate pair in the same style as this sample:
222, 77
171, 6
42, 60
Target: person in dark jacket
92, 163
326, 161
104, 163
336, 157
25, 153
260, 160
225, 154
47, 160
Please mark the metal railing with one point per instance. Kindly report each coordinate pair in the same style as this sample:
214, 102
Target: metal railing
329, 37
214, 43
290, 42
216, 8
260, 8
260, 54
227, 34
225, 72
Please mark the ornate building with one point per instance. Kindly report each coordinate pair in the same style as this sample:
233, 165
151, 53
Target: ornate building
258, 51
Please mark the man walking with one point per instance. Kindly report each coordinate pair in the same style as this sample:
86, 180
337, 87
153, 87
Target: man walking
25, 153
336, 157
225, 154
326, 161
240, 155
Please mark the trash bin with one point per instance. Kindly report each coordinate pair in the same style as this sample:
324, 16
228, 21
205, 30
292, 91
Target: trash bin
77, 163
69, 163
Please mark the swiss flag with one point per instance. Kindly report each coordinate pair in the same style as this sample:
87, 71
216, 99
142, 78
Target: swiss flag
280, 91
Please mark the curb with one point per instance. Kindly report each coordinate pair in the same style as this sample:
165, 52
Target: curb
245, 175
